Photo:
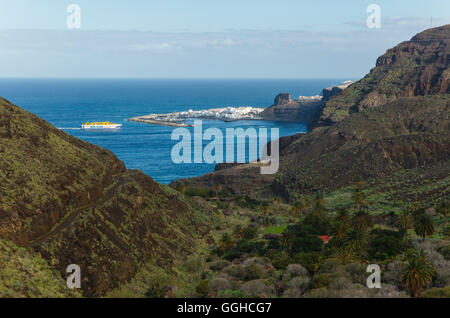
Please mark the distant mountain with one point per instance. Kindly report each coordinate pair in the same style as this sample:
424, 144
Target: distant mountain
418, 67
75, 203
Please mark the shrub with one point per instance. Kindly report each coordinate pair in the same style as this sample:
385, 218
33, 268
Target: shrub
385, 244
305, 244
199, 192
301, 238
386, 291
437, 292
300, 283
232, 270
446, 231
219, 284
156, 290
320, 293
307, 260
441, 265
358, 272
257, 288
292, 293
340, 283
295, 270
219, 265
320, 222
251, 272
320, 281
272, 245
445, 251
249, 233
393, 273
202, 288
281, 260
231, 294
194, 264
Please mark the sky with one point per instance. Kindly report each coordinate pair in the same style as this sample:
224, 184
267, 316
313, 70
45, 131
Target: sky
206, 38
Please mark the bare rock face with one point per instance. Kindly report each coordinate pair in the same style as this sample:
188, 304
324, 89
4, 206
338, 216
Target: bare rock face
286, 109
282, 99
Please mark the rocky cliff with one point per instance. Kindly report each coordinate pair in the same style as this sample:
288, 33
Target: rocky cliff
418, 67
286, 109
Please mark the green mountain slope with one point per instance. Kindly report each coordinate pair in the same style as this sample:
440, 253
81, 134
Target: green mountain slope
75, 203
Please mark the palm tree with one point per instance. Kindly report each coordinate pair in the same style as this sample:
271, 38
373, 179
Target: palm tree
298, 208
355, 241
443, 208
362, 221
343, 215
359, 197
404, 221
226, 242
419, 272
423, 225
341, 224
265, 208
288, 238
319, 202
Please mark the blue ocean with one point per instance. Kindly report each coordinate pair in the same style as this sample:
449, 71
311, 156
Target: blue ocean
67, 103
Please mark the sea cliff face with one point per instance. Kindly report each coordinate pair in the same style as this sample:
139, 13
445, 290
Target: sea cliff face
305, 109
286, 109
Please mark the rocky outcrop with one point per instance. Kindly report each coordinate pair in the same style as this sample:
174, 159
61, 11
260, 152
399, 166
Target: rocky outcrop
286, 109
282, 99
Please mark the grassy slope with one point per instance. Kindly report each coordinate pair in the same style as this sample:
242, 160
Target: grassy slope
45, 172
25, 275
75, 203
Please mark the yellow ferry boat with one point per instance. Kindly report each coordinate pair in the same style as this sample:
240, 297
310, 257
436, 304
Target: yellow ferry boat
100, 125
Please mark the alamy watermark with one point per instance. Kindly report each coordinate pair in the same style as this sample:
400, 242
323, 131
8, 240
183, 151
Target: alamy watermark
374, 19
374, 279
74, 19
74, 279
213, 152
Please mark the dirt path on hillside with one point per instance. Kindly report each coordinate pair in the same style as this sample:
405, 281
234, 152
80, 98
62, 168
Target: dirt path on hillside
71, 216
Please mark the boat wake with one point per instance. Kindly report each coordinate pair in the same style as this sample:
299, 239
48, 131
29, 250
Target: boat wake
69, 128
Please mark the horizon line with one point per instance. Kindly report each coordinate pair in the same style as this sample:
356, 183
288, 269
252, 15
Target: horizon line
172, 78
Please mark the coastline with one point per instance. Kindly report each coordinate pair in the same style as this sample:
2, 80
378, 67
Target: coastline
157, 122
228, 114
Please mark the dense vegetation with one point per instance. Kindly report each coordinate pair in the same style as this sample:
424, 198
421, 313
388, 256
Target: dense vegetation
315, 248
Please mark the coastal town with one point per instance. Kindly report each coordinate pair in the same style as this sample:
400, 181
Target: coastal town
178, 119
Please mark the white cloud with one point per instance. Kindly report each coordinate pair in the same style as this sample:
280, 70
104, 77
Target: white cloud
234, 53
150, 47
223, 42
